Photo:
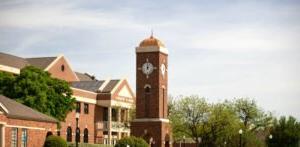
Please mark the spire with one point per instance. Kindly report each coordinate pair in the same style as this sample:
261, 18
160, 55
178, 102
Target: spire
151, 33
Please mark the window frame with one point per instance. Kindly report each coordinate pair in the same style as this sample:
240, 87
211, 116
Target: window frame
78, 107
24, 137
86, 108
14, 137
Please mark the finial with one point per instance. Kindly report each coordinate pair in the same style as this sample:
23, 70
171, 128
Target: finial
151, 33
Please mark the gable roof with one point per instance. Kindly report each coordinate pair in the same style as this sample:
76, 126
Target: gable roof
12, 61
85, 76
110, 86
92, 86
19, 62
20, 111
41, 62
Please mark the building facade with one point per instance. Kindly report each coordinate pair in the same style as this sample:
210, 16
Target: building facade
151, 121
103, 106
21, 125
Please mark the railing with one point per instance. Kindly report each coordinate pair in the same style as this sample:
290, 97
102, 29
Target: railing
103, 125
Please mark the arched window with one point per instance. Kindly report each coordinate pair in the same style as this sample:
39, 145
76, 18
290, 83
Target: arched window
69, 134
49, 133
86, 135
147, 99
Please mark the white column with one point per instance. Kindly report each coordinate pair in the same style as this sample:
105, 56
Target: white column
2, 139
109, 125
119, 121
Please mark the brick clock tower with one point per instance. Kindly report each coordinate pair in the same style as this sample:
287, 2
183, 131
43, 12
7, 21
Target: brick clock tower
152, 121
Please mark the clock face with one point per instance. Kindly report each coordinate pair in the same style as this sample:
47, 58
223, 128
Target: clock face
147, 68
163, 69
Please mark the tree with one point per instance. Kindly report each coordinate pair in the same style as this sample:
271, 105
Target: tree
285, 133
36, 89
187, 116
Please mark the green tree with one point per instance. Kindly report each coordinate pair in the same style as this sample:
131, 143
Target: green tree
285, 133
35, 88
252, 117
187, 116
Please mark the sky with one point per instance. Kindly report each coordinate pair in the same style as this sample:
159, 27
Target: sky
217, 49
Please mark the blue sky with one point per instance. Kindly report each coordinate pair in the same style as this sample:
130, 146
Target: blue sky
218, 49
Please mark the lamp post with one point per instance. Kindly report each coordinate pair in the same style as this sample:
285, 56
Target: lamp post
183, 140
77, 129
199, 141
150, 141
270, 138
240, 132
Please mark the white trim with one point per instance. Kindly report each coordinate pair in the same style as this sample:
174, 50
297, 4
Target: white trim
151, 120
33, 128
57, 59
114, 103
53, 62
116, 87
4, 108
82, 90
104, 84
151, 49
9, 69
86, 100
147, 85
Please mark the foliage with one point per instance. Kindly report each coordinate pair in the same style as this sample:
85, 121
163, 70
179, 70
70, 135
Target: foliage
55, 141
132, 142
36, 89
285, 133
218, 123
72, 144
252, 117
187, 117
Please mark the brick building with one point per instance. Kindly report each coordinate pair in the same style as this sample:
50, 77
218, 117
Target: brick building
103, 105
23, 126
152, 121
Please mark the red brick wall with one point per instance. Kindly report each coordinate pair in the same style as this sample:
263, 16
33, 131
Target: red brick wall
36, 131
67, 74
157, 105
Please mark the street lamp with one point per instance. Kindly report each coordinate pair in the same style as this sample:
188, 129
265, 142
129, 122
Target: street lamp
199, 140
184, 140
151, 140
270, 136
240, 132
77, 137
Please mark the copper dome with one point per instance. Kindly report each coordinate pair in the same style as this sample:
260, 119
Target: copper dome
151, 42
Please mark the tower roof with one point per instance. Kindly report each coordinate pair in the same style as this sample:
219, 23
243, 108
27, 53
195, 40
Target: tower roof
151, 41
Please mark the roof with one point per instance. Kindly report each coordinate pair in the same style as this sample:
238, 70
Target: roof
19, 62
41, 62
84, 76
92, 86
110, 86
12, 61
20, 111
151, 41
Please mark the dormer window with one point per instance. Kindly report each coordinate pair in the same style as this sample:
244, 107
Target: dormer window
62, 68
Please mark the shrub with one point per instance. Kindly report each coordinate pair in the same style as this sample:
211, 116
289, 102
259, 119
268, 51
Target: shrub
55, 141
132, 142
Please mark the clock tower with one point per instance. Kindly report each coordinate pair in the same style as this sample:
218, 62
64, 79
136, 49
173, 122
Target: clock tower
151, 121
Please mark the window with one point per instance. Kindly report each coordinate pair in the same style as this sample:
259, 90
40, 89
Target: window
78, 107
69, 134
147, 100
24, 138
77, 135
86, 108
114, 116
58, 133
105, 114
14, 137
62, 68
86, 135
